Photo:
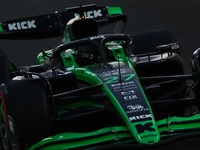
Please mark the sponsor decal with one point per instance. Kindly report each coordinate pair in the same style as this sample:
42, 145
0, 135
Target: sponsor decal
91, 14
97, 37
130, 97
131, 107
128, 93
139, 117
23, 70
121, 84
136, 108
176, 46
150, 135
146, 127
115, 72
22, 25
126, 87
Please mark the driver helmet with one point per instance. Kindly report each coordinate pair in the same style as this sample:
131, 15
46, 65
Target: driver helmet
78, 28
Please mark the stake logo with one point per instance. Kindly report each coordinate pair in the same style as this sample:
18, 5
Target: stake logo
22, 25
90, 14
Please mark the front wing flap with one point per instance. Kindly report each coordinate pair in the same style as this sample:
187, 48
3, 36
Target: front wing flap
171, 130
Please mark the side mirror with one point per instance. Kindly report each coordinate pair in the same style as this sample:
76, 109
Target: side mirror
168, 47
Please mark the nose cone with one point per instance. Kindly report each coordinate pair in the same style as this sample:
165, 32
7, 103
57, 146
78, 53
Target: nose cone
146, 132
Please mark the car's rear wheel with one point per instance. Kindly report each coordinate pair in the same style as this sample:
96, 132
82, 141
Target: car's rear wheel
25, 113
147, 43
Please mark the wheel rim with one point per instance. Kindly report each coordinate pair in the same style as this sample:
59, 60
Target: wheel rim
3, 128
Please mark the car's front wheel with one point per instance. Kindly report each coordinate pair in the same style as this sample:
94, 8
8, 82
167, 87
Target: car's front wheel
25, 116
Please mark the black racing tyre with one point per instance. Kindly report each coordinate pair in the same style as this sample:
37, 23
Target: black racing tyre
4, 71
26, 102
171, 66
147, 43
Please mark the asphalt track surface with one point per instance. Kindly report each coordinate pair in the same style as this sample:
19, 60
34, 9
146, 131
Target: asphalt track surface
181, 17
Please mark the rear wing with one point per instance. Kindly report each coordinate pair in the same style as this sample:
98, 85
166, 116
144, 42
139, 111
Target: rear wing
52, 25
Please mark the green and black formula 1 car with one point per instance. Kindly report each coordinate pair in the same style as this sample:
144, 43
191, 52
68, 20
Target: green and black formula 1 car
96, 90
